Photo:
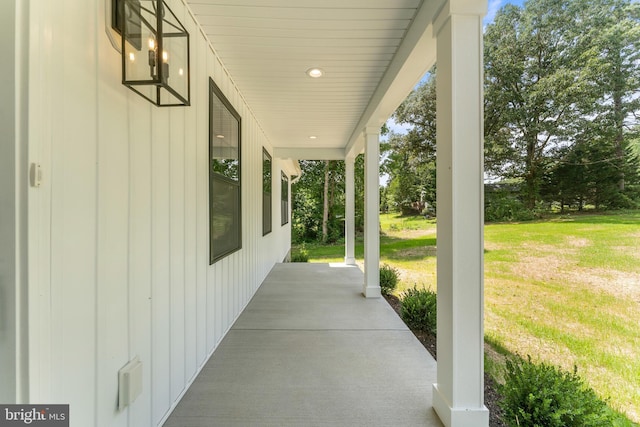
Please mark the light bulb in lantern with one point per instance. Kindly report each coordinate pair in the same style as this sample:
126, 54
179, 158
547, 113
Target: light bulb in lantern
152, 56
165, 66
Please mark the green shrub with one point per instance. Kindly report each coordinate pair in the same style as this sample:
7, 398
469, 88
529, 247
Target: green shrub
418, 309
545, 396
503, 206
388, 279
301, 255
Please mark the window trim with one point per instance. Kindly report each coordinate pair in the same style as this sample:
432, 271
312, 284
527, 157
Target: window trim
284, 199
267, 156
214, 90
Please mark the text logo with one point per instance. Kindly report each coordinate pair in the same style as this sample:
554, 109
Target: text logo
34, 415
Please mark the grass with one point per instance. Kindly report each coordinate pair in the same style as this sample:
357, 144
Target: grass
565, 290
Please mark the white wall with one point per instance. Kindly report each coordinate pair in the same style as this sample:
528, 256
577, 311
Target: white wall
118, 232
7, 204
13, 203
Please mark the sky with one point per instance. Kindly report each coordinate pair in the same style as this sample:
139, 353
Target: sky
494, 7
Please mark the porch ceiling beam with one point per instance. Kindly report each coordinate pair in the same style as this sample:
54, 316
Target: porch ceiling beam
414, 57
309, 153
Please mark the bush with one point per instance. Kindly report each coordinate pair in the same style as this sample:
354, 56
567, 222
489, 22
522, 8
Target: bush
502, 206
545, 396
418, 309
301, 255
388, 279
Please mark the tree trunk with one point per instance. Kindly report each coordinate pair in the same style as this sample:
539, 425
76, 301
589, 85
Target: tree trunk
619, 138
531, 176
325, 211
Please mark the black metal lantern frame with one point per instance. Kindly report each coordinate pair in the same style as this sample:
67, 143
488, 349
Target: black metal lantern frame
155, 52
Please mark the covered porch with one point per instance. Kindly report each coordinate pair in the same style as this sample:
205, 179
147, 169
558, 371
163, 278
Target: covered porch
107, 262
310, 350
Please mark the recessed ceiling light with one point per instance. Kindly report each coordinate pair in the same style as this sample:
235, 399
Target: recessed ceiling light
313, 137
220, 136
315, 72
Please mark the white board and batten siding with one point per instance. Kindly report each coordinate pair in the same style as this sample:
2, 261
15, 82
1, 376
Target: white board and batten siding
118, 231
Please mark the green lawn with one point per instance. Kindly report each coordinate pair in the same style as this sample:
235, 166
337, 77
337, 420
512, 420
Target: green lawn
565, 290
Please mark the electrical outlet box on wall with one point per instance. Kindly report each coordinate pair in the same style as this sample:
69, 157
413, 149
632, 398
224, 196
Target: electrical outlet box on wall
129, 383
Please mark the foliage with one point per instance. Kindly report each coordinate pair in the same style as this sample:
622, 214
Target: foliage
562, 83
504, 205
533, 88
419, 309
388, 279
562, 102
541, 395
308, 201
300, 255
588, 173
410, 158
561, 96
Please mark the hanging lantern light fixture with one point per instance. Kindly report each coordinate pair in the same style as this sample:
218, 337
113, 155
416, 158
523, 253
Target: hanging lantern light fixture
155, 51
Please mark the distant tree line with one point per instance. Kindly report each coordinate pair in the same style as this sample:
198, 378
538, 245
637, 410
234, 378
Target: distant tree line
562, 80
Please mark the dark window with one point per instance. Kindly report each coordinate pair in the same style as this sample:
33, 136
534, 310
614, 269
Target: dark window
284, 199
224, 176
266, 192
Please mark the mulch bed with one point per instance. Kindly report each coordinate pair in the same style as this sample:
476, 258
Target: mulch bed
491, 396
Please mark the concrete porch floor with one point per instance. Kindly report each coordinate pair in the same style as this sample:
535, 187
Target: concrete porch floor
310, 350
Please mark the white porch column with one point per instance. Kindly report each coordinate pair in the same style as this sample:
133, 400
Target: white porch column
372, 213
350, 213
458, 396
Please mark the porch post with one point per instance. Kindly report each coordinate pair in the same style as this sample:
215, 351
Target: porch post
371, 213
458, 396
350, 213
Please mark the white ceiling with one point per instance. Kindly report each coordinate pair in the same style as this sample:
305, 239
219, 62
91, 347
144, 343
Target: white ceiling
372, 53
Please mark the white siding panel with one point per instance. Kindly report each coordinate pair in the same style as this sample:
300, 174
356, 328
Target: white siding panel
200, 97
112, 309
215, 305
73, 246
224, 277
41, 101
238, 273
10, 194
140, 209
161, 271
177, 241
191, 231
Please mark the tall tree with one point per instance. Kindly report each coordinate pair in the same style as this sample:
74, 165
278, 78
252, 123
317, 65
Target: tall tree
533, 87
611, 31
562, 80
410, 157
325, 203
